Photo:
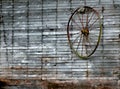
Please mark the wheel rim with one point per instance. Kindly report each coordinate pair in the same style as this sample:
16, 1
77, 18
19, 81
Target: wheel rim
84, 31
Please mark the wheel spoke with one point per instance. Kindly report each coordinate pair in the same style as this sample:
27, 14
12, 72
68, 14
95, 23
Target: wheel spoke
76, 23
87, 20
86, 46
91, 17
83, 44
80, 21
75, 39
92, 24
79, 42
88, 40
71, 27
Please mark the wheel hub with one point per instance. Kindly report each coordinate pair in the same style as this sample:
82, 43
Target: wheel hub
85, 31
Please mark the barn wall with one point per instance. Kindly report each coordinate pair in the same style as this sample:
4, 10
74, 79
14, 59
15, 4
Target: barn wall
33, 40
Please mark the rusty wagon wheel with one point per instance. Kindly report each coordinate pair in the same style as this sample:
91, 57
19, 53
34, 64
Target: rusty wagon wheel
84, 31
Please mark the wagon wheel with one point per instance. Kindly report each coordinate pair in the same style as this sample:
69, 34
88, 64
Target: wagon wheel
84, 31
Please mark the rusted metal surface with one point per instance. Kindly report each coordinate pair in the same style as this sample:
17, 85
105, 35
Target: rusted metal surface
62, 84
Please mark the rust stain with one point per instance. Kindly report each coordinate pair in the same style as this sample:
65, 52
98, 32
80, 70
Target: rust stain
57, 84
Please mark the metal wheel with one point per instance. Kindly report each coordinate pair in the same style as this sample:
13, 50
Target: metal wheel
84, 31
